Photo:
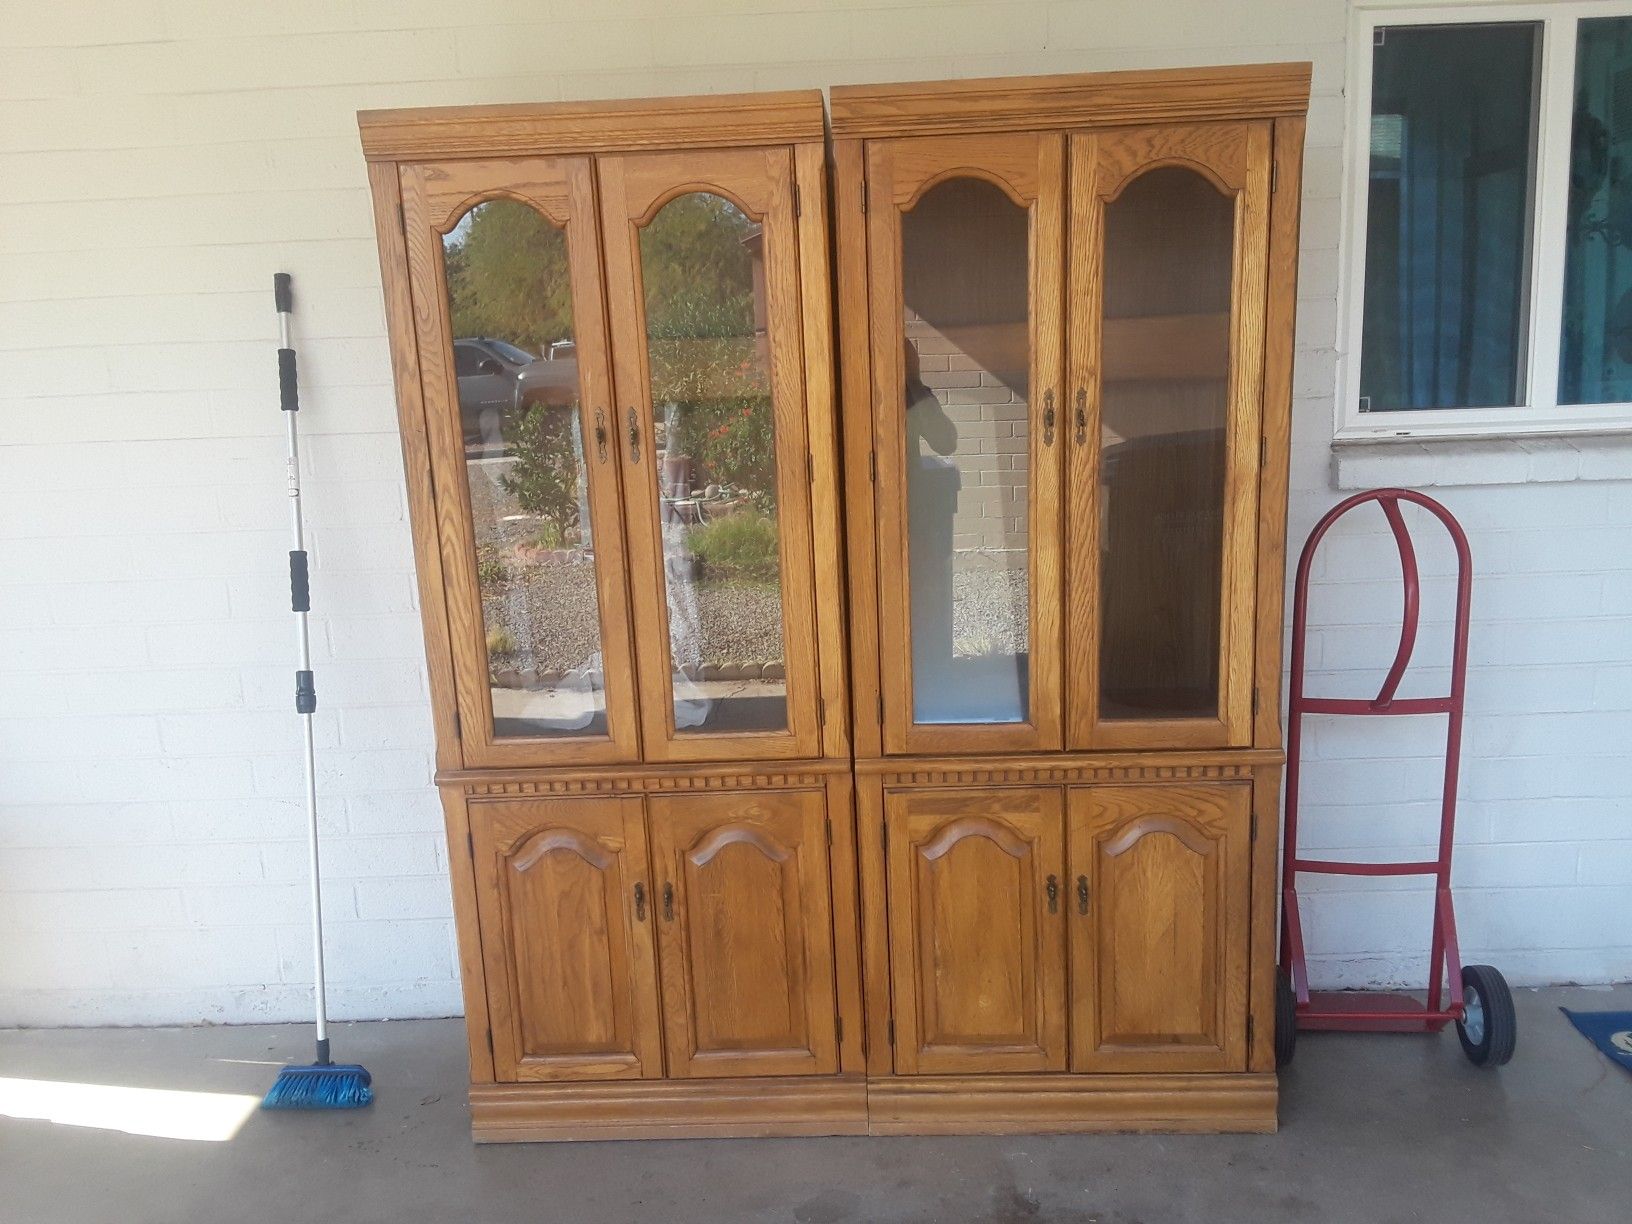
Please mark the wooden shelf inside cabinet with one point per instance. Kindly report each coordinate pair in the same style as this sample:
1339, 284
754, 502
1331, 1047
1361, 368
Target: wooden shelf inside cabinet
1164, 347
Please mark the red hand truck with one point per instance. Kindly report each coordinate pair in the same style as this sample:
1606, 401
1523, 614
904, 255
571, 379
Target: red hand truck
1479, 1000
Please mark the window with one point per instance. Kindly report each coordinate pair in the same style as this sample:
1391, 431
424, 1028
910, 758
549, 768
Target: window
1489, 228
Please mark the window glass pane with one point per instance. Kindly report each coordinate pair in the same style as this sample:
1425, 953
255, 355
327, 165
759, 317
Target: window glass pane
510, 301
702, 268
1448, 216
1164, 403
964, 283
1595, 356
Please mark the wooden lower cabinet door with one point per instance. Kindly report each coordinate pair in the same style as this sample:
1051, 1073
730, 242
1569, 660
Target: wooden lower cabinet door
745, 932
1159, 924
565, 907
977, 912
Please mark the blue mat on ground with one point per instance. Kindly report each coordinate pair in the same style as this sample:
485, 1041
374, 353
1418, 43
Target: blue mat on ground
1610, 1031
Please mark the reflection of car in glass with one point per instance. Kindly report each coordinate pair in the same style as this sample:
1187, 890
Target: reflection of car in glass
495, 376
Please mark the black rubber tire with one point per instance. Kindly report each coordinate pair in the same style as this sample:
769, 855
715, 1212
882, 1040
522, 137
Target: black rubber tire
1486, 989
1286, 1020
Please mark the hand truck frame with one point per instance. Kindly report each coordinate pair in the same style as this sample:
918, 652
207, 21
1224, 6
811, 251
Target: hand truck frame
1475, 997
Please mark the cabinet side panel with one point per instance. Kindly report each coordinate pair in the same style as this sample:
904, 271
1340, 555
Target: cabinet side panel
384, 183
1279, 343
468, 929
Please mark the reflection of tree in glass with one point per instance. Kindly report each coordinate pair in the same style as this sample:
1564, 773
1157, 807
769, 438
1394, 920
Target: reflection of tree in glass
708, 379
544, 477
507, 276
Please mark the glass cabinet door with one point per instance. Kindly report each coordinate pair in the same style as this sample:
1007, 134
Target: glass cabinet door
508, 315
703, 287
965, 255
1168, 249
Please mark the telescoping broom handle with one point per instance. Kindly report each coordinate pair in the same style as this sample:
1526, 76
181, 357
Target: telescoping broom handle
301, 602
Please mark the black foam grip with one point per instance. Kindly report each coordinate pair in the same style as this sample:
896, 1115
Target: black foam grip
280, 291
300, 588
288, 393
305, 693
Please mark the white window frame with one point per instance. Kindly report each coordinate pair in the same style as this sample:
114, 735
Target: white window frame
1540, 412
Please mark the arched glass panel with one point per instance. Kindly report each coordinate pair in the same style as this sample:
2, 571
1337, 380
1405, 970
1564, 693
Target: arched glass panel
703, 277
967, 368
510, 303
1169, 248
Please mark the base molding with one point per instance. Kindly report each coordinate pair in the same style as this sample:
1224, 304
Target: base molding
1071, 1104
889, 1105
669, 1109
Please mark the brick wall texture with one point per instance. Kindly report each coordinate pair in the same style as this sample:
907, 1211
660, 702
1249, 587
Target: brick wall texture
160, 159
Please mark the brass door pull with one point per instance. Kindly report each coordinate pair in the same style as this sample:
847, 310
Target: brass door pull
634, 436
1082, 416
640, 903
1082, 894
1053, 894
668, 903
600, 434
1048, 418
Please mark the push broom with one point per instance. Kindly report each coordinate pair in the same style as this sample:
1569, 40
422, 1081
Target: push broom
323, 1084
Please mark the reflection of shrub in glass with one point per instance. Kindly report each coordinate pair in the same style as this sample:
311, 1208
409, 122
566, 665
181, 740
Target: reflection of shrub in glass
741, 546
544, 477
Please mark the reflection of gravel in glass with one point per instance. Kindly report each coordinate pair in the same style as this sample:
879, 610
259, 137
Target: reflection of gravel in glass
989, 612
552, 608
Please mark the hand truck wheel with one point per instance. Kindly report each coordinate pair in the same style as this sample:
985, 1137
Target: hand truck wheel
1286, 1020
1489, 1027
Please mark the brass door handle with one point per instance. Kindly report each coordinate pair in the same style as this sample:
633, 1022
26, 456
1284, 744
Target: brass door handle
600, 434
1082, 415
1048, 418
668, 903
640, 903
1082, 894
634, 436
1053, 894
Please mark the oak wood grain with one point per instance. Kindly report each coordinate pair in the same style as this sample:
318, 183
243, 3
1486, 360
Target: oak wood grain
1101, 99
745, 933
977, 929
1160, 888
567, 950
525, 129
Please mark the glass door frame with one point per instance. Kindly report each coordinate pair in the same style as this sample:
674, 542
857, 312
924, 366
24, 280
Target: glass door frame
1236, 158
758, 180
435, 196
1029, 168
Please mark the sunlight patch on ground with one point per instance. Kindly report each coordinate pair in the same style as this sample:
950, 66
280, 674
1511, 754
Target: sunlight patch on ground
210, 1117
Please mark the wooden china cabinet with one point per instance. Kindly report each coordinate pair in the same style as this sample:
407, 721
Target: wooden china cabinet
611, 335
1066, 339
939, 796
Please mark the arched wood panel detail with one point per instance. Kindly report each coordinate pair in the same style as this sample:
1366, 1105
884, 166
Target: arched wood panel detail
745, 933
1170, 380
1159, 958
1027, 170
561, 191
634, 189
570, 968
976, 929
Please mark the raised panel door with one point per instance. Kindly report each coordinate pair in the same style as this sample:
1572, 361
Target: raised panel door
704, 296
1159, 903
745, 933
965, 272
1168, 258
565, 907
977, 929
516, 381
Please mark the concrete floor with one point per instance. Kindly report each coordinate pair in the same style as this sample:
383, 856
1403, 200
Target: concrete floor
1374, 1129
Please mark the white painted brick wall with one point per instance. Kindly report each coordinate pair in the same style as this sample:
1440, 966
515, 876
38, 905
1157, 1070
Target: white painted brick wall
159, 159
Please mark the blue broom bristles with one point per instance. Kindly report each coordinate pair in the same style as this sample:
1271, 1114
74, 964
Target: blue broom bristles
320, 1086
